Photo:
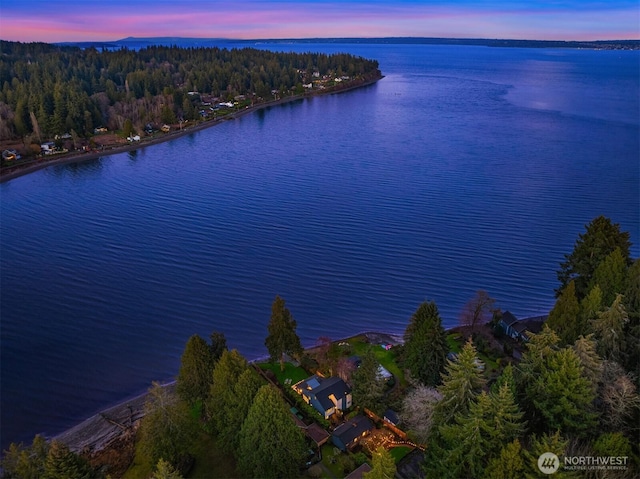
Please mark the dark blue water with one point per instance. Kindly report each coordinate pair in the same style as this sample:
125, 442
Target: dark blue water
465, 168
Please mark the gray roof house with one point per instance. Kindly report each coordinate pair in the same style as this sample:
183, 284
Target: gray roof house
347, 435
520, 329
326, 395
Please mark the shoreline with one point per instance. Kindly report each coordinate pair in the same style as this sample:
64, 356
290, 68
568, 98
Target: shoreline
104, 428
79, 157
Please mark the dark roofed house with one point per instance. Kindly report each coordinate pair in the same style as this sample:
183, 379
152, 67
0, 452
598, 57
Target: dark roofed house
347, 435
520, 330
326, 395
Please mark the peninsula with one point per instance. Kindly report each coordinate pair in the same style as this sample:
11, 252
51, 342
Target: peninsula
65, 104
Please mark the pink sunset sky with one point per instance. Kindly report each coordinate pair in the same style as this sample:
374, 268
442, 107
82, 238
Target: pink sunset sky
55, 21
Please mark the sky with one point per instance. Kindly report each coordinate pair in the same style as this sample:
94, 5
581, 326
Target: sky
73, 20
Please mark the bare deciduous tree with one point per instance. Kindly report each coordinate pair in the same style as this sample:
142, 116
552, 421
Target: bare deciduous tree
417, 411
619, 397
477, 310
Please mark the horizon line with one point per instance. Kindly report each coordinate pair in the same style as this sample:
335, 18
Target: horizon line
291, 39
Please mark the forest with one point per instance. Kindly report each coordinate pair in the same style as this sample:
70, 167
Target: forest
49, 90
472, 402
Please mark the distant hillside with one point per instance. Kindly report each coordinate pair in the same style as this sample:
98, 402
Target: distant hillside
139, 42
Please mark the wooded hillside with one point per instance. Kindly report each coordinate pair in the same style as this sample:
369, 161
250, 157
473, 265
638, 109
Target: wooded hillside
50, 90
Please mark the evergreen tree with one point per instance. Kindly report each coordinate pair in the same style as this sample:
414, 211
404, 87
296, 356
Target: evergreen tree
218, 345
509, 464
19, 462
539, 348
611, 276
472, 438
561, 395
564, 317
590, 306
196, 367
613, 444
61, 463
164, 470
271, 445
167, 428
382, 465
282, 338
507, 378
608, 329
425, 348
225, 375
585, 348
553, 443
368, 385
601, 238
462, 382
244, 391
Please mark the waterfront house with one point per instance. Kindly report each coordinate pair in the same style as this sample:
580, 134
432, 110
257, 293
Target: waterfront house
347, 435
48, 148
325, 395
520, 330
10, 155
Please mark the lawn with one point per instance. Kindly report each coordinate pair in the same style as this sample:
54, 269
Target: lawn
387, 358
400, 452
291, 374
328, 453
453, 341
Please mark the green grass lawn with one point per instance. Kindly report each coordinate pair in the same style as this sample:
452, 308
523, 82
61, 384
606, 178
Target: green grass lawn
399, 452
294, 373
327, 455
454, 342
386, 358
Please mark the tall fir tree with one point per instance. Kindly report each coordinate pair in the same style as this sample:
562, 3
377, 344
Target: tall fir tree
590, 306
167, 428
61, 463
561, 395
196, 366
368, 385
225, 375
462, 382
509, 464
585, 348
564, 318
282, 338
425, 347
611, 276
271, 445
382, 465
600, 239
552, 442
608, 329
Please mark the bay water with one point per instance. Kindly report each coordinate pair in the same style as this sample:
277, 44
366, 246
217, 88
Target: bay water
465, 168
